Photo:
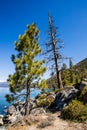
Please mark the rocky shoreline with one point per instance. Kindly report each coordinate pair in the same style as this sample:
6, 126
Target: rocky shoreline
15, 113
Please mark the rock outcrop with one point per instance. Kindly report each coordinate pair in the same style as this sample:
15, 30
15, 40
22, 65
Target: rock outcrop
13, 115
63, 98
82, 85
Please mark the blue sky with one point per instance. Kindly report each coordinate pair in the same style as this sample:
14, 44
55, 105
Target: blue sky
69, 15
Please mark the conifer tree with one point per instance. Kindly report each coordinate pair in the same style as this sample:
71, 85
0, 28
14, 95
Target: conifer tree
28, 70
53, 46
72, 72
64, 66
70, 63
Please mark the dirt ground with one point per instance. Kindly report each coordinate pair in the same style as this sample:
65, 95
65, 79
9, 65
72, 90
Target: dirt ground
49, 122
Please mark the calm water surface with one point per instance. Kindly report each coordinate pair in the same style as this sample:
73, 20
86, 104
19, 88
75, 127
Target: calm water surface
5, 104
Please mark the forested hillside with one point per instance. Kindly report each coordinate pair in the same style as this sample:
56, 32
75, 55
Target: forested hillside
82, 65
71, 76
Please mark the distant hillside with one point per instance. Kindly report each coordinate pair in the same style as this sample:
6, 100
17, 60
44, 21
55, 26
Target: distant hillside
78, 72
4, 84
82, 65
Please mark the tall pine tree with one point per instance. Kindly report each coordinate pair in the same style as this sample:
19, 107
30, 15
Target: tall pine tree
28, 70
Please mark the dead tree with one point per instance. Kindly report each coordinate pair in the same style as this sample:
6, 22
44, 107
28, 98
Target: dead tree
53, 45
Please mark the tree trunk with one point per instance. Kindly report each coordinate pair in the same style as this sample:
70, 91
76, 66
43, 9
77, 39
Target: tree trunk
60, 85
27, 109
56, 57
58, 73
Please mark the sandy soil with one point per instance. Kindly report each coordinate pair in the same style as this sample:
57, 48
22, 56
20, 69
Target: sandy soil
49, 122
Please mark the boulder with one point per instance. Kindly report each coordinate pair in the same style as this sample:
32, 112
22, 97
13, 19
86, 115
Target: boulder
63, 98
1, 120
19, 105
11, 110
82, 85
37, 111
10, 119
12, 115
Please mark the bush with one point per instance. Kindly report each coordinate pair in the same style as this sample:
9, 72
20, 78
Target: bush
45, 101
83, 95
41, 103
58, 90
75, 111
42, 96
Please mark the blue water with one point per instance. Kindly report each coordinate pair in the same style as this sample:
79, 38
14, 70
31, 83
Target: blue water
5, 90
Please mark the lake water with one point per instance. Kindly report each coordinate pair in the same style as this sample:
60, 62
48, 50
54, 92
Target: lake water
4, 103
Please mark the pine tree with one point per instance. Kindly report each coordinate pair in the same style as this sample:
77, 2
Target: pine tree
70, 63
28, 70
72, 71
52, 50
64, 66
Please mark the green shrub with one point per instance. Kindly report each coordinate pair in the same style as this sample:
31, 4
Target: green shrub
41, 103
58, 90
75, 111
42, 96
45, 101
83, 95
50, 99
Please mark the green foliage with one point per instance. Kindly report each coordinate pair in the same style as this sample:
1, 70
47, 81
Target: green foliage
64, 66
71, 76
9, 98
43, 85
28, 69
25, 63
42, 103
42, 96
76, 111
52, 82
45, 100
83, 95
82, 65
66, 77
70, 63
58, 90
81, 69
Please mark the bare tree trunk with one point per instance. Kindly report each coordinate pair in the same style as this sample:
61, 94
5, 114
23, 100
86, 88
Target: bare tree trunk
56, 54
58, 73
60, 85
27, 109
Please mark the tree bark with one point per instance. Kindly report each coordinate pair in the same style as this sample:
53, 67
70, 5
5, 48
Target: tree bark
53, 40
27, 109
60, 85
58, 73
